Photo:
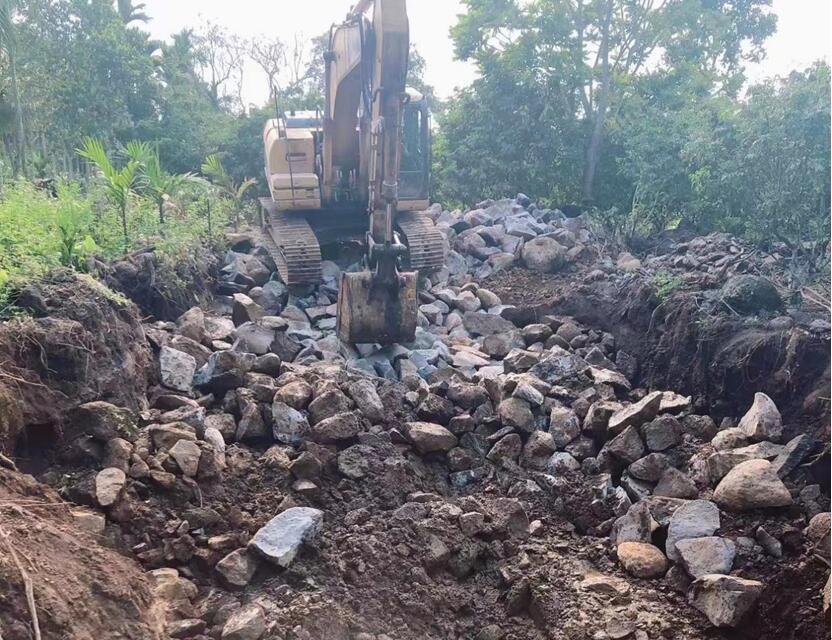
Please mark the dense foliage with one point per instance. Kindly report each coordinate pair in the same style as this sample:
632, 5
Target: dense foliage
638, 109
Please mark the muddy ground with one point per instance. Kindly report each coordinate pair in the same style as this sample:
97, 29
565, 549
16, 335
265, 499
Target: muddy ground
393, 559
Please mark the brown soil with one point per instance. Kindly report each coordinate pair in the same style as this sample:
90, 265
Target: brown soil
82, 589
90, 346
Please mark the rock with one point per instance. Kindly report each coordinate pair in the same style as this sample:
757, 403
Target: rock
560, 367
628, 262
353, 462
341, 426
507, 448
642, 560
627, 445
694, 519
254, 338
702, 427
662, 433
539, 446
177, 369
327, 404
366, 398
428, 437
434, 408
564, 426
544, 254
102, 421
89, 521
649, 468
296, 394
191, 324
516, 413
752, 485
237, 568
711, 554
187, 454
109, 483
818, 533
749, 294
763, 420
724, 599
244, 309
164, 436
485, 324
637, 413
768, 542
637, 525
561, 462
117, 454
247, 623
675, 484
289, 425
281, 538
728, 439
792, 455
224, 371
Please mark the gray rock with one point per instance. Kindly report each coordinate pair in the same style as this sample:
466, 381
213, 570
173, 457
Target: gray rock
749, 294
281, 538
711, 554
507, 449
289, 425
354, 461
792, 455
752, 485
564, 426
177, 369
763, 420
724, 600
627, 445
327, 404
730, 438
560, 367
649, 468
637, 525
186, 454
485, 324
561, 462
244, 309
225, 370
675, 484
702, 427
695, 519
636, 414
544, 254
662, 433
769, 543
254, 338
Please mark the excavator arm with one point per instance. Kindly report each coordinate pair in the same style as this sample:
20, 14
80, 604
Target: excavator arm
379, 305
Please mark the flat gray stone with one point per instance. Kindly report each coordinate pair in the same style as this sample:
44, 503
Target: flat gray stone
281, 538
695, 519
711, 554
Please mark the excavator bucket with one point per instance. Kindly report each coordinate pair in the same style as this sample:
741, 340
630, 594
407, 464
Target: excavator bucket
372, 311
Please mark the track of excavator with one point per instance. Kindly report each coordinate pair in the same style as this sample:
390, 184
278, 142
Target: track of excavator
292, 245
295, 249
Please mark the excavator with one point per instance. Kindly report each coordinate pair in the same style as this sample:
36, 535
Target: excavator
360, 170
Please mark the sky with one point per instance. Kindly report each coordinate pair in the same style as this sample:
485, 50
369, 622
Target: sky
803, 36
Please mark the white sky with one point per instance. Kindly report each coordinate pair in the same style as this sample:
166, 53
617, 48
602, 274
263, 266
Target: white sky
803, 36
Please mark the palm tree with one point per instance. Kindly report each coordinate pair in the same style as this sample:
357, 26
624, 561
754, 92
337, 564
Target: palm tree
212, 167
157, 183
119, 183
129, 12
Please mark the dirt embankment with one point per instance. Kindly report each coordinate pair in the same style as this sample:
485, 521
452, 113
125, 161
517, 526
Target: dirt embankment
83, 342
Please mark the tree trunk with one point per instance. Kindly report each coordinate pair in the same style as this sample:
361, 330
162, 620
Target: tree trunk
21, 133
593, 149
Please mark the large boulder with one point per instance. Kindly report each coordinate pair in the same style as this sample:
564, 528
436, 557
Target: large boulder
749, 294
544, 254
752, 485
177, 369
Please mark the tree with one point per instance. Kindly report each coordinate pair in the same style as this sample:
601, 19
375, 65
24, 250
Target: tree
158, 184
220, 58
119, 183
130, 12
212, 167
585, 56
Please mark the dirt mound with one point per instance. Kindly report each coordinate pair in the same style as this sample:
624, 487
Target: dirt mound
81, 589
83, 343
160, 290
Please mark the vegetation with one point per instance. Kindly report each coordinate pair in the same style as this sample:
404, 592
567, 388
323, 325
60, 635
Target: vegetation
635, 109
